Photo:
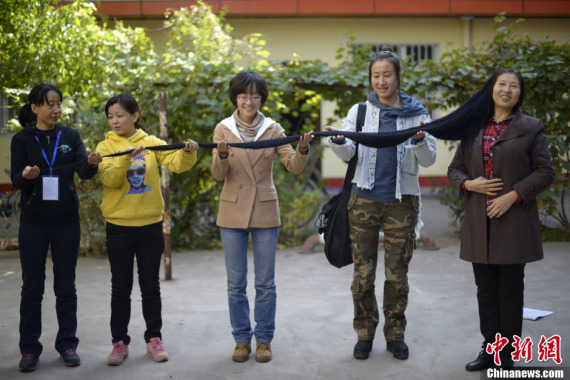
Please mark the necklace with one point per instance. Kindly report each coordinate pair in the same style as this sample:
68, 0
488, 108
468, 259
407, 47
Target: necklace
397, 104
394, 104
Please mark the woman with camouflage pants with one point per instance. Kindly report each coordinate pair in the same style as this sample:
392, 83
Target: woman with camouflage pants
385, 194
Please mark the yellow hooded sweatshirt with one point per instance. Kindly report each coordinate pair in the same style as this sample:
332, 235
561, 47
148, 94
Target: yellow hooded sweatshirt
132, 195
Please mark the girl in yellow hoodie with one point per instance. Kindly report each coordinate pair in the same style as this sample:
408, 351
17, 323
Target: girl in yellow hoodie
133, 206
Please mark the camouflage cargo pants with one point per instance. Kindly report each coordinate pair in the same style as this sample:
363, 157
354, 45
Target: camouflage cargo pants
398, 219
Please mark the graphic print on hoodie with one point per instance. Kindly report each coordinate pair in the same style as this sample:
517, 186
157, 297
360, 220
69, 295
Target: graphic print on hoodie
136, 174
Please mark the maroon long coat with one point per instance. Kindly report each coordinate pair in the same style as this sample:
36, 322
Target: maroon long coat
521, 159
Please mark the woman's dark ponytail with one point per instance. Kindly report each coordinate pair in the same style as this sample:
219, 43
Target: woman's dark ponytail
26, 117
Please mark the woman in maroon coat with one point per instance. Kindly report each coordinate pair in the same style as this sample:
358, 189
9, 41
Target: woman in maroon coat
499, 170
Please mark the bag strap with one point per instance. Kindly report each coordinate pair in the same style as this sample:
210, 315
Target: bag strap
360, 117
347, 185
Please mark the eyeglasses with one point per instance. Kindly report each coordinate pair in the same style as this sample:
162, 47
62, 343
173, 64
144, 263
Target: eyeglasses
139, 171
254, 98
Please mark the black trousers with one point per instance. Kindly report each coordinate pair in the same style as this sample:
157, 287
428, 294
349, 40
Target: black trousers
146, 243
63, 241
500, 295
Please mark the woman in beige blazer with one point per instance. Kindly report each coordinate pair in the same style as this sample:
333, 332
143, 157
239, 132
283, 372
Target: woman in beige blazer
249, 206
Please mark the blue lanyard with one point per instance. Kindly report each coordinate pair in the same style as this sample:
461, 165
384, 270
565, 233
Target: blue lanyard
54, 151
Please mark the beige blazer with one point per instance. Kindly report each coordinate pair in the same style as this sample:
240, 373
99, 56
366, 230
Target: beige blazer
249, 197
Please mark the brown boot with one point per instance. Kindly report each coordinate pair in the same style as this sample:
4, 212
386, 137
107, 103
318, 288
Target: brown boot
263, 353
241, 352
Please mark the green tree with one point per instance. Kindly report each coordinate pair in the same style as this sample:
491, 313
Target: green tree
90, 62
68, 46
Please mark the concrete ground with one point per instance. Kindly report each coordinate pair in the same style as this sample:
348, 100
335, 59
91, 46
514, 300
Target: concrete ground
314, 337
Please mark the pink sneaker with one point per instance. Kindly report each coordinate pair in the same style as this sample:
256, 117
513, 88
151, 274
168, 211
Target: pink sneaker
120, 352
154, 348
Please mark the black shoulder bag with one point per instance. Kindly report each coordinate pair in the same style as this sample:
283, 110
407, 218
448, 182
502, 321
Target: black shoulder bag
333, 219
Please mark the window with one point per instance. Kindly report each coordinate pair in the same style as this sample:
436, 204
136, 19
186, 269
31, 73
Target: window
417, 51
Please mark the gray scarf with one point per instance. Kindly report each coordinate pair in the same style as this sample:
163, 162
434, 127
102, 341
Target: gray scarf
248, 131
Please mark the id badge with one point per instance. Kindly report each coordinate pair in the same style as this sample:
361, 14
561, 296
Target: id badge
50, 187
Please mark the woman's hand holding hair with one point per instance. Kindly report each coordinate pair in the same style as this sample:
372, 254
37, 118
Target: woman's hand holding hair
135, 152
94, 159
337, 137
222, 149
482, 185
191, 146
500, 205
305, 140
31, 172
420, 135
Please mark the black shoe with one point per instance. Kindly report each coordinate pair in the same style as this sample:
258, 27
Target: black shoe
70, 358
362, 349
483, 361
29, 362
398, 348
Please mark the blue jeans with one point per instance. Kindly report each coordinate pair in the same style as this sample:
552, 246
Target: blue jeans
63, 242
264, 242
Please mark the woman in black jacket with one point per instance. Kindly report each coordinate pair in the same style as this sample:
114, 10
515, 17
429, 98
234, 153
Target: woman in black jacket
44, 158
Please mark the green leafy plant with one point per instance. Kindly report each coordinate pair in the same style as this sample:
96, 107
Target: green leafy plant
90, 62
